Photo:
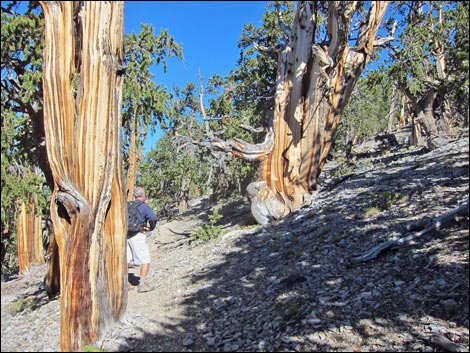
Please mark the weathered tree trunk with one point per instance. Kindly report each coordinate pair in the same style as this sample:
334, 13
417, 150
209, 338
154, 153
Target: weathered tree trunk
183, 196
132, 158
405, 110
422, 103
82, 107
136, 150
423, 115
52, 280
30, 246
393, 108
314, 83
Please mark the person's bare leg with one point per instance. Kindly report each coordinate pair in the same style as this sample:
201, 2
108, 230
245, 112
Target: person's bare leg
144, 270
144, 284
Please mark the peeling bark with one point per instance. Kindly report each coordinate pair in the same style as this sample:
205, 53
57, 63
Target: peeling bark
314, 83
82, 108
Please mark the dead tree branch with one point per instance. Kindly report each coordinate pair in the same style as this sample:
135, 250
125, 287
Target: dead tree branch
435, 224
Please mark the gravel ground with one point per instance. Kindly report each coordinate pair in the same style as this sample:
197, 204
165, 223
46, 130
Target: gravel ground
291, 286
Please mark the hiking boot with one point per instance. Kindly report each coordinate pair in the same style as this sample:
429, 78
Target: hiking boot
146, 287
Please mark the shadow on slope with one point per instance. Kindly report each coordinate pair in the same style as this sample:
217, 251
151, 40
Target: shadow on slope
290, 285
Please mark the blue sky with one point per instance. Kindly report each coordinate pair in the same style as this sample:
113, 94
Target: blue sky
208, 30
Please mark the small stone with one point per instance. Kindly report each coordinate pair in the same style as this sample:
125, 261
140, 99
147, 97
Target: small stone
187, 341
314, 321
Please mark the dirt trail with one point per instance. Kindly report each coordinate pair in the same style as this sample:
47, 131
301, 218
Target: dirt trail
290, 286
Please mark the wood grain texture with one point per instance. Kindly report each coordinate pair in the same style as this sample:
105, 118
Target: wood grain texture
30, 246
82, 113
314, 83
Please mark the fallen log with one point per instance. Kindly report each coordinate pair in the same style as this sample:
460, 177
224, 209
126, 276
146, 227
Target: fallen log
433, 224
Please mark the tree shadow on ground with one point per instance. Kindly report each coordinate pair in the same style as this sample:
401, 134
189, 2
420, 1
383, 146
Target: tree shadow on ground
34, 299
290, 286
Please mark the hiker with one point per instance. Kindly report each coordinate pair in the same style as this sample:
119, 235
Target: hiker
137, 247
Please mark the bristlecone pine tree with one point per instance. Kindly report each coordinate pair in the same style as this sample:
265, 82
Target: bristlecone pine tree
30, 246
82, 106
314, 83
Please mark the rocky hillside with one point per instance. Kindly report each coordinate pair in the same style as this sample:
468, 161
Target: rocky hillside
294, 285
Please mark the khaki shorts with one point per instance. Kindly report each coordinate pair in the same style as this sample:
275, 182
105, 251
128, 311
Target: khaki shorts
138, 250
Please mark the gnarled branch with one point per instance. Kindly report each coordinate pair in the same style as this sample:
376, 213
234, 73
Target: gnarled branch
272, 52
434, 224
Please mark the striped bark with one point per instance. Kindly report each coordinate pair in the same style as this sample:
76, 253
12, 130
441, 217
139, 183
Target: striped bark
82, 118
30, 246
314, 83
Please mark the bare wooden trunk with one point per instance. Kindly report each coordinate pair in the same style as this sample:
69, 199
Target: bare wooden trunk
314, 83
423, 116
82, 107
422, 103
136, 150
30, 246
132, 158
52, 280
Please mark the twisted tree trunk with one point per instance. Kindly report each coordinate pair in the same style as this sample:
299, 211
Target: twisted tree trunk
314, 83
82, 107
